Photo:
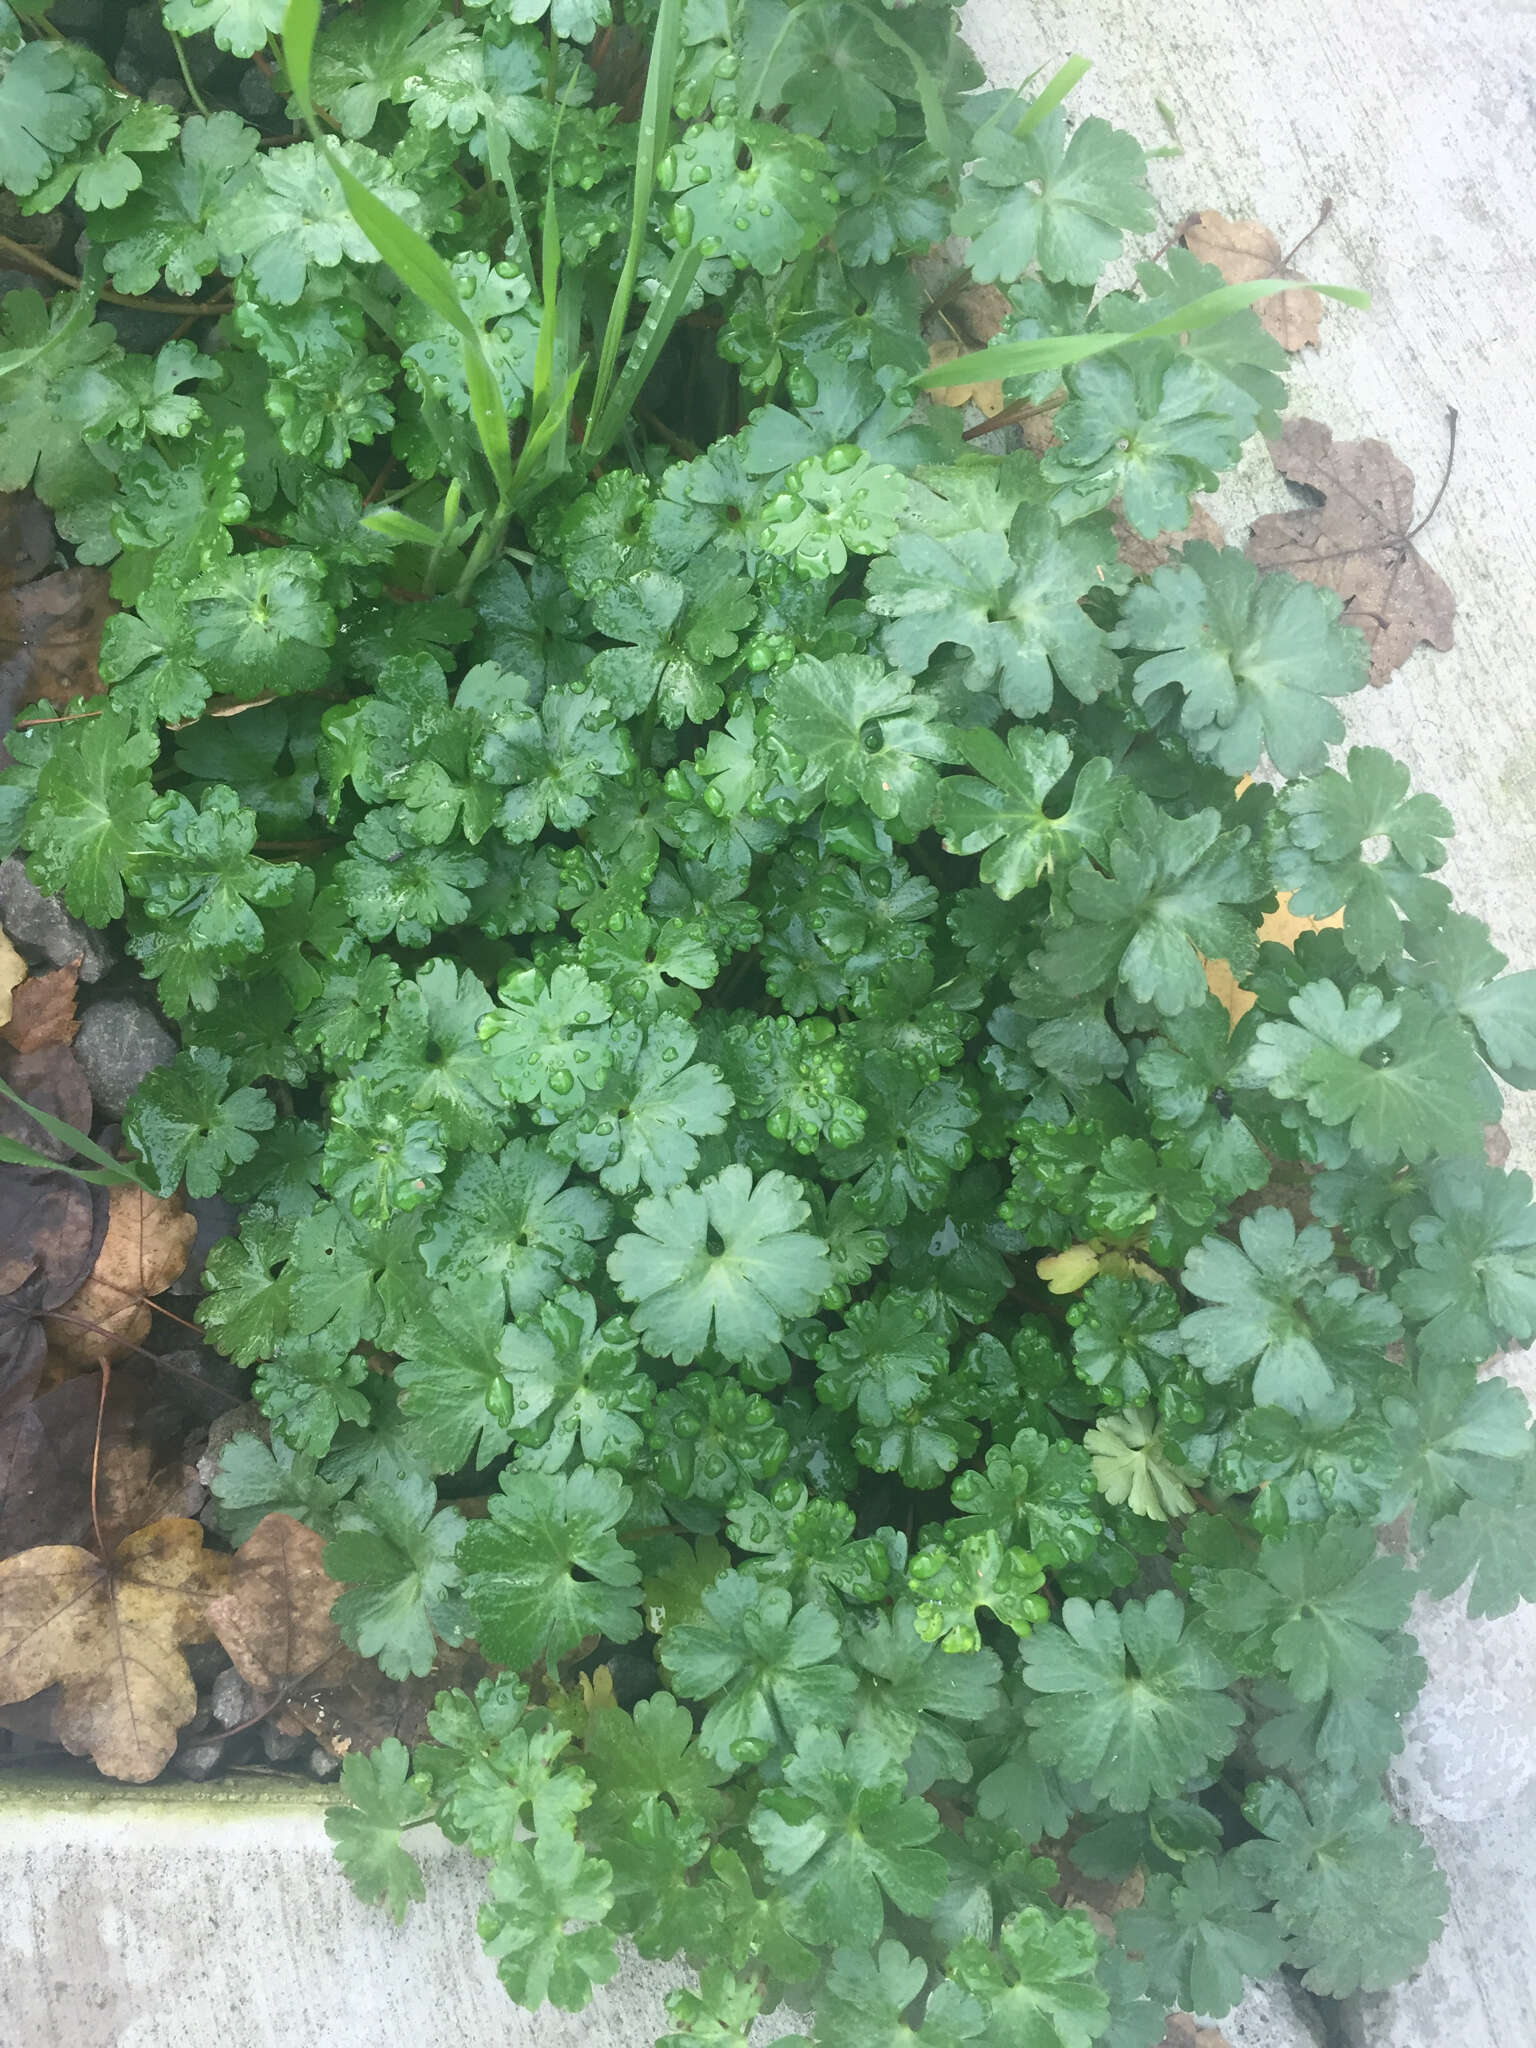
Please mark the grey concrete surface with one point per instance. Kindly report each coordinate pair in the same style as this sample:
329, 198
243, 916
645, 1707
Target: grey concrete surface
1416, 118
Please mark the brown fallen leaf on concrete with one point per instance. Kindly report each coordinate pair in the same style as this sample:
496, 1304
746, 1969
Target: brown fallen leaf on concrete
147, 1245
110, 1636
275, 1617
1184, 2031
42, 1009
1142, 556
1245, 251
1359, 542
50, 636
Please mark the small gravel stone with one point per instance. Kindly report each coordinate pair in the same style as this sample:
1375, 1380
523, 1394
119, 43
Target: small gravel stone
280, 1748
200, 1761
41, 928
118, 1043
322, 1764
231, 1699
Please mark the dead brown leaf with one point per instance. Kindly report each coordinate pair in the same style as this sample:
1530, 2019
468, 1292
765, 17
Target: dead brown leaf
42, 1010
350, 1706
981, 312
1245, 251
1357, 542
275, 1619
1142, 556
147, 1244
26, 538
131, 1493
110, 1635
52, 1079
48, 1238
50, 636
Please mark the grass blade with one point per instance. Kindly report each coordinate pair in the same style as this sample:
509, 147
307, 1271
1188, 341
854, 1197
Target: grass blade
1055, 351
661, 317
1053, 93
301, 24
14, 1153
655, 115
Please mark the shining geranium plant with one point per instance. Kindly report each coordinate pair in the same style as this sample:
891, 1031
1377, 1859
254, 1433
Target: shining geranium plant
687, 887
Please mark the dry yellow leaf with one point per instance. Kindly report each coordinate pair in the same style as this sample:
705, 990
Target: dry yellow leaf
1279, 928
1070, 1271
13, 972
147, 1244
110, 1636
987, 397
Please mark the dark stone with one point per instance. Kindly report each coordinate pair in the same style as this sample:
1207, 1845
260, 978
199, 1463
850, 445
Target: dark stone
42, 930
118, 1043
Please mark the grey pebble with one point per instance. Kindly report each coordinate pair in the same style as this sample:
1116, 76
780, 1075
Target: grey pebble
231, 1699
280, 1748
322, 1764
40, 927
118, 1043
200, 1761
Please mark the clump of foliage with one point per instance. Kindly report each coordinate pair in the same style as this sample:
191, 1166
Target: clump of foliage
686, 892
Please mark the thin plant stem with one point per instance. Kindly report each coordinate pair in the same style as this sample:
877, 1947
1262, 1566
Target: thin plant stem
186, 71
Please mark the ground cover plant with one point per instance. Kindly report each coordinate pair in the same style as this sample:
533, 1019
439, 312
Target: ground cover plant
688, 892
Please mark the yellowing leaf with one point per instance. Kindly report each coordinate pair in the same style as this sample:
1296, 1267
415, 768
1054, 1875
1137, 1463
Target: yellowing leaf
1279, 928
1066, 1272
13, 972
110, 1636
987, 397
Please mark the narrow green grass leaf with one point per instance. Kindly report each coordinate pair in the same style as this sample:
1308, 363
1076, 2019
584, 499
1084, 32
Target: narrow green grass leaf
661, 317
14, 1153
1055, 351
666, 43
300, 26
1054, 93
